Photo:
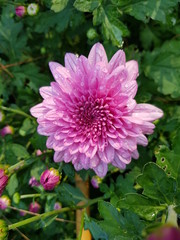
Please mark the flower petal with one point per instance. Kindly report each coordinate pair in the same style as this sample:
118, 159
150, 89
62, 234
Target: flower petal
71, 61
97, 54
147, 112
101, 169
117, 60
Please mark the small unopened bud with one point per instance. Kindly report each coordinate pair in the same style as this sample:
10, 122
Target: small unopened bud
95, 181
6, 130
33, 182
20, 11
32, 9
3, 180
1, 116
57, 206
34, 207
3, 230
50, 179
4, 202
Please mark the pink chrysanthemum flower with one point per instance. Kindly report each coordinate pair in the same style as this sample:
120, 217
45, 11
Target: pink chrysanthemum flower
89, 113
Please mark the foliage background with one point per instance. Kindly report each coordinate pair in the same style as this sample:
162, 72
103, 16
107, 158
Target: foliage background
137, 199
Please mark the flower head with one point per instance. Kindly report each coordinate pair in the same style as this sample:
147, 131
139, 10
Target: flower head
50, 178
32, 9
20, 11
3, 180
33, 182
89, 113
4, 202
6, 130
34, 207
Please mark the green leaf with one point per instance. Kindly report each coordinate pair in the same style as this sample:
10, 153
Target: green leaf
58, 5
163, 65
86, 6
19, 151
27, 127
112, 28
94, 228
168, 160
69, 194
12, 39
12, 184
157, 185
144, 207
119, 226
144, 9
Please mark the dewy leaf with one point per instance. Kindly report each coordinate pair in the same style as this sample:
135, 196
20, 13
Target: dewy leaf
112, 27
144, 207
157, 185
86, 6
119, 226
58, 5
144, 9
163, 65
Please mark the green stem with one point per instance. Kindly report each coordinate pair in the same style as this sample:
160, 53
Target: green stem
82, 225
172, 216
16, 111
36, 195
16, 166
36, 218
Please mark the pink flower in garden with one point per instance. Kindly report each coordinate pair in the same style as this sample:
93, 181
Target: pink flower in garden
33, 182
50, 178
20, 11
3, 180
89, 113
6, 130
34, 207
4, 202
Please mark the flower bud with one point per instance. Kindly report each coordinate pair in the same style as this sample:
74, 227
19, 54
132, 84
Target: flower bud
166, 232
57, 206
3, 230
33, 182
3, 180
16, 198
6, 130
20, 11
4, 202
32, 9
34, 207
95, 181
50, 179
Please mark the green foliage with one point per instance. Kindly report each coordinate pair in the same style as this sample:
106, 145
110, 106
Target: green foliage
138, 198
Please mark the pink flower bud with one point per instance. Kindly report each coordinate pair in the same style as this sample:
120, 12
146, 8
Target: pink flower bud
57, 206
6, 130
20, 11
38, 152
22, 213
3, 180
4, 202
49, 179
33, 182
165, 233
34, 207
95, 181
